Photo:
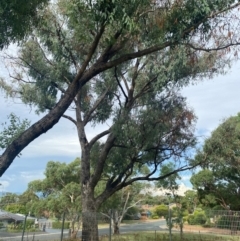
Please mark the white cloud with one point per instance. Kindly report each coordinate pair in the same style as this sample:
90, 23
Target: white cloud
186, 177
10, 178
51, 145
162, 192
214, 100
4, 185
18, 183
30, 176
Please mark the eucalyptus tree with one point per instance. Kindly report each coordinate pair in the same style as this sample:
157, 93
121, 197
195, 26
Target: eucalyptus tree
59, 193
8, 199
190, 200
117, 206
218, 181
121, 64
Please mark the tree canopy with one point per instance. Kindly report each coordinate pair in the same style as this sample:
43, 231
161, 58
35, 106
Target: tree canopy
218, 182
17, 19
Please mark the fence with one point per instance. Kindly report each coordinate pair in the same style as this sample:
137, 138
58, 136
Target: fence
224, 222
199, 224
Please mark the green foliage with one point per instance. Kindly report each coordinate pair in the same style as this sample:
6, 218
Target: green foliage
131, 212
218, 182
169, 182
153, 200
58, 225
16, 208
7, 199
190, 201
197, 218
59, 192
12, 130
17, 19
161, 210
30, 226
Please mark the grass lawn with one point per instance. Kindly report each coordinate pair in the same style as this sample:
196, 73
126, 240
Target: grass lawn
160, 236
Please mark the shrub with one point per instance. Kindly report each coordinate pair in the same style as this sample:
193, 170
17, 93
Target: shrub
30, 226
185, 218
161, 211
197, 217
58, 225
155, 217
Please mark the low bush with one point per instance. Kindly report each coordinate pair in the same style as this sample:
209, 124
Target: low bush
160, 211
58, 225
197, 218
30, 226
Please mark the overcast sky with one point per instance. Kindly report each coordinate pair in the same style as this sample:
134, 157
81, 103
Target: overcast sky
212, 101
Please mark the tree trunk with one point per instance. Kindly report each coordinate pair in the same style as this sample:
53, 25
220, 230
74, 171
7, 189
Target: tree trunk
89, 206
116, 228
73, 233
73, 230
89, 220
116, 222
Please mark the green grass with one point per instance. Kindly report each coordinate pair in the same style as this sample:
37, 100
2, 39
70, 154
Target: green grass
147, 236
160, 236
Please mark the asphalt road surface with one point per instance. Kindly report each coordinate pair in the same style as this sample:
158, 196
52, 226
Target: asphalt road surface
53, 234
137, 227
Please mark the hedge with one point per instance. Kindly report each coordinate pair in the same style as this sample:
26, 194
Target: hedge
58, 225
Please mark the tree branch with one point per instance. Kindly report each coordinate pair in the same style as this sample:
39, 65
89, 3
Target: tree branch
97, 137
71, 119
119, 84
87, 117
102, 159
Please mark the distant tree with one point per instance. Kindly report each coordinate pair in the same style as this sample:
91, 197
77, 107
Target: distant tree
16, 208
190, 200
18, 203
59, 192
153, 200
219, 180
8, 199
169, 183
117, 206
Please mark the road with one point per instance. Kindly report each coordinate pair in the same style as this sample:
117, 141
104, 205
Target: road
51, 234
141, 226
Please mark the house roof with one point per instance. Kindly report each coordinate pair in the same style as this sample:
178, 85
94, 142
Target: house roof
6, 215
